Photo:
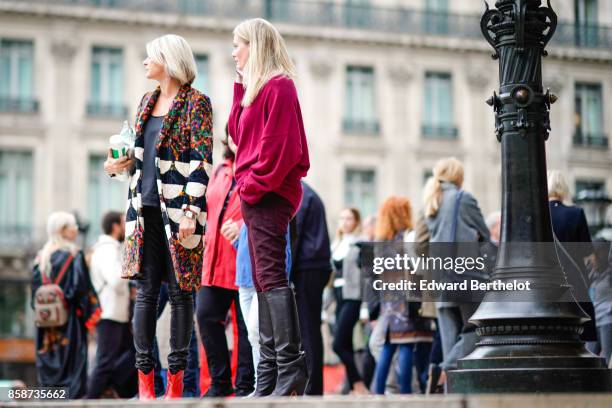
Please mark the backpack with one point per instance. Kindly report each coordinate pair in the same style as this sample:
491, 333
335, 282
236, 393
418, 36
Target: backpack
50, 306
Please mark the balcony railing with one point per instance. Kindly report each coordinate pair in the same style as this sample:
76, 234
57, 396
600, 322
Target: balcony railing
20, 105
439, 131
99, 110
591, 140
366, 127
16, 236
342, 15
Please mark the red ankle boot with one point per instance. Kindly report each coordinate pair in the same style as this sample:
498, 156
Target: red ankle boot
174, 389
146, 389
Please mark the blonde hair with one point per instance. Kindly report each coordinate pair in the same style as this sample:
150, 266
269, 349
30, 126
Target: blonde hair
55, 241
395, 215
448, 170
268, 56
174, 53
557, 186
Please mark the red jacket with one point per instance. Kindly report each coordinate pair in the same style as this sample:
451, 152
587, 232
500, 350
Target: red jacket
272, 148
219, 254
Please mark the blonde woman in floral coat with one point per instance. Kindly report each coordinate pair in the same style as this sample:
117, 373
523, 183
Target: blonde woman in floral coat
166, 209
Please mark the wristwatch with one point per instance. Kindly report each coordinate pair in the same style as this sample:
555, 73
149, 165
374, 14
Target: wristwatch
190, 214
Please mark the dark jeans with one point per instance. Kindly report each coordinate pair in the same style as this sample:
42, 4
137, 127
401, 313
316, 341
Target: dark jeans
309, 287
115, 346
157, 266
213, 303
267, 223
436, 356
422, 353
348, 316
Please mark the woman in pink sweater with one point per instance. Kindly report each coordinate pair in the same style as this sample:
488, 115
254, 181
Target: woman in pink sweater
272, 157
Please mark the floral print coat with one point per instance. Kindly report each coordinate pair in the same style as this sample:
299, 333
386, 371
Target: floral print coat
183, 164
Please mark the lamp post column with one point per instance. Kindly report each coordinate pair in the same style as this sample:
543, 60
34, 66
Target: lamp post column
528, 342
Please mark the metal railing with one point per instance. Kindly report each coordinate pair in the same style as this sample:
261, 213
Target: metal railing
591, 140
342, 15
95, 109
20, 105
366, 127
16, 236
439, 132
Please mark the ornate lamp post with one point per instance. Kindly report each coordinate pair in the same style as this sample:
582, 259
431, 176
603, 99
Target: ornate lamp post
529, 344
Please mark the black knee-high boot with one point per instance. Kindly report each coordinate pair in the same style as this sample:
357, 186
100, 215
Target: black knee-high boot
290, 358
266, 369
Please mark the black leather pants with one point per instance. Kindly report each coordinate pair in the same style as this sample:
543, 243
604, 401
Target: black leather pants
157, 267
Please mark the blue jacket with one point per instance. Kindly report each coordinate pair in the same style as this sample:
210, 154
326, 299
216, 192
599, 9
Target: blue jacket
244, 273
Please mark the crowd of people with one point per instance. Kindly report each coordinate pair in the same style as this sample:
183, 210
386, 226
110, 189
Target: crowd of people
242, 253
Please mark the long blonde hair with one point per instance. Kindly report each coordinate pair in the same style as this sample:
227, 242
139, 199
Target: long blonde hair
449, 170
268, 56
55, 241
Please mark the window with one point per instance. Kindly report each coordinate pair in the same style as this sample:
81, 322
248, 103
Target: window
436, 16
360, 105
360, 190
357, 13
15, 312
16, 196
438, 107
277, 9
589, 116
595, 185
17, 76
103, 194
201, 82
107, 83
586, 22
591, 196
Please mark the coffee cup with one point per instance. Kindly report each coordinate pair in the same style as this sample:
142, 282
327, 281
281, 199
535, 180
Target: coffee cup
118, 146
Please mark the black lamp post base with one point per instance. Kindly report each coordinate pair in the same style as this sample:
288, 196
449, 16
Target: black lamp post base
530, 380
521, 361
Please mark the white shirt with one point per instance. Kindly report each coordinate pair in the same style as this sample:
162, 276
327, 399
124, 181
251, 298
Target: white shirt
113, 291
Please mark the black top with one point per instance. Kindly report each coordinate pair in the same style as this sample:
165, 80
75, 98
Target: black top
569, 222
150, 195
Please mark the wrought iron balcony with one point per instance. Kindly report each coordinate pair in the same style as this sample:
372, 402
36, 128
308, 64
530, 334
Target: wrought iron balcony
591, 140
366, 127
341, 15
20, 105
439, 131
96, 109
16, 236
